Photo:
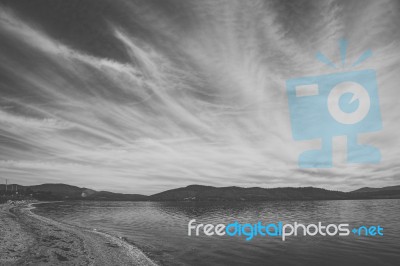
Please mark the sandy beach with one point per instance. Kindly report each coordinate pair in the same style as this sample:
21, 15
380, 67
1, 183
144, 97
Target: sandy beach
30, 239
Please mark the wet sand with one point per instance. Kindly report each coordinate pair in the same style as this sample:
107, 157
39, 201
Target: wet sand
30, 239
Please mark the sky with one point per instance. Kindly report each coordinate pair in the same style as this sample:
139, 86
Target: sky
144, 96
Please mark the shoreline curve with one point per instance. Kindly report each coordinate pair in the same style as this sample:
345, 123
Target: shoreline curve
31, 239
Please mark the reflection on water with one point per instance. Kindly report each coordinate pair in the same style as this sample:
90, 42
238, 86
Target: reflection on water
160, 229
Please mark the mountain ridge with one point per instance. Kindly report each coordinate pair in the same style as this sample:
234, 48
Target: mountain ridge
371, 189
60, 191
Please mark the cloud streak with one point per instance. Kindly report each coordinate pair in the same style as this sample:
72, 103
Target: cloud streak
198, 96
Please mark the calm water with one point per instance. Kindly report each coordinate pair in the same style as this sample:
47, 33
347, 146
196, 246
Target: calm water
160, 229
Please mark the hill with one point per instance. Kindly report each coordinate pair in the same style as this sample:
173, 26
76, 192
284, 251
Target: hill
196, 193
105, 195
65, 192
370, 189
208, 193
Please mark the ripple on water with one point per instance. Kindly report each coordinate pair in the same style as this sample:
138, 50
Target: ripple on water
160, 228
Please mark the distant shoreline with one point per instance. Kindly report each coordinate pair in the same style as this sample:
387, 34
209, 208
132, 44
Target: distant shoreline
57, 192
211, 201
28, 238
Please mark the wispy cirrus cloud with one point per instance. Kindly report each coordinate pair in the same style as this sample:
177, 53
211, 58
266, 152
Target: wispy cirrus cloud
198, 96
